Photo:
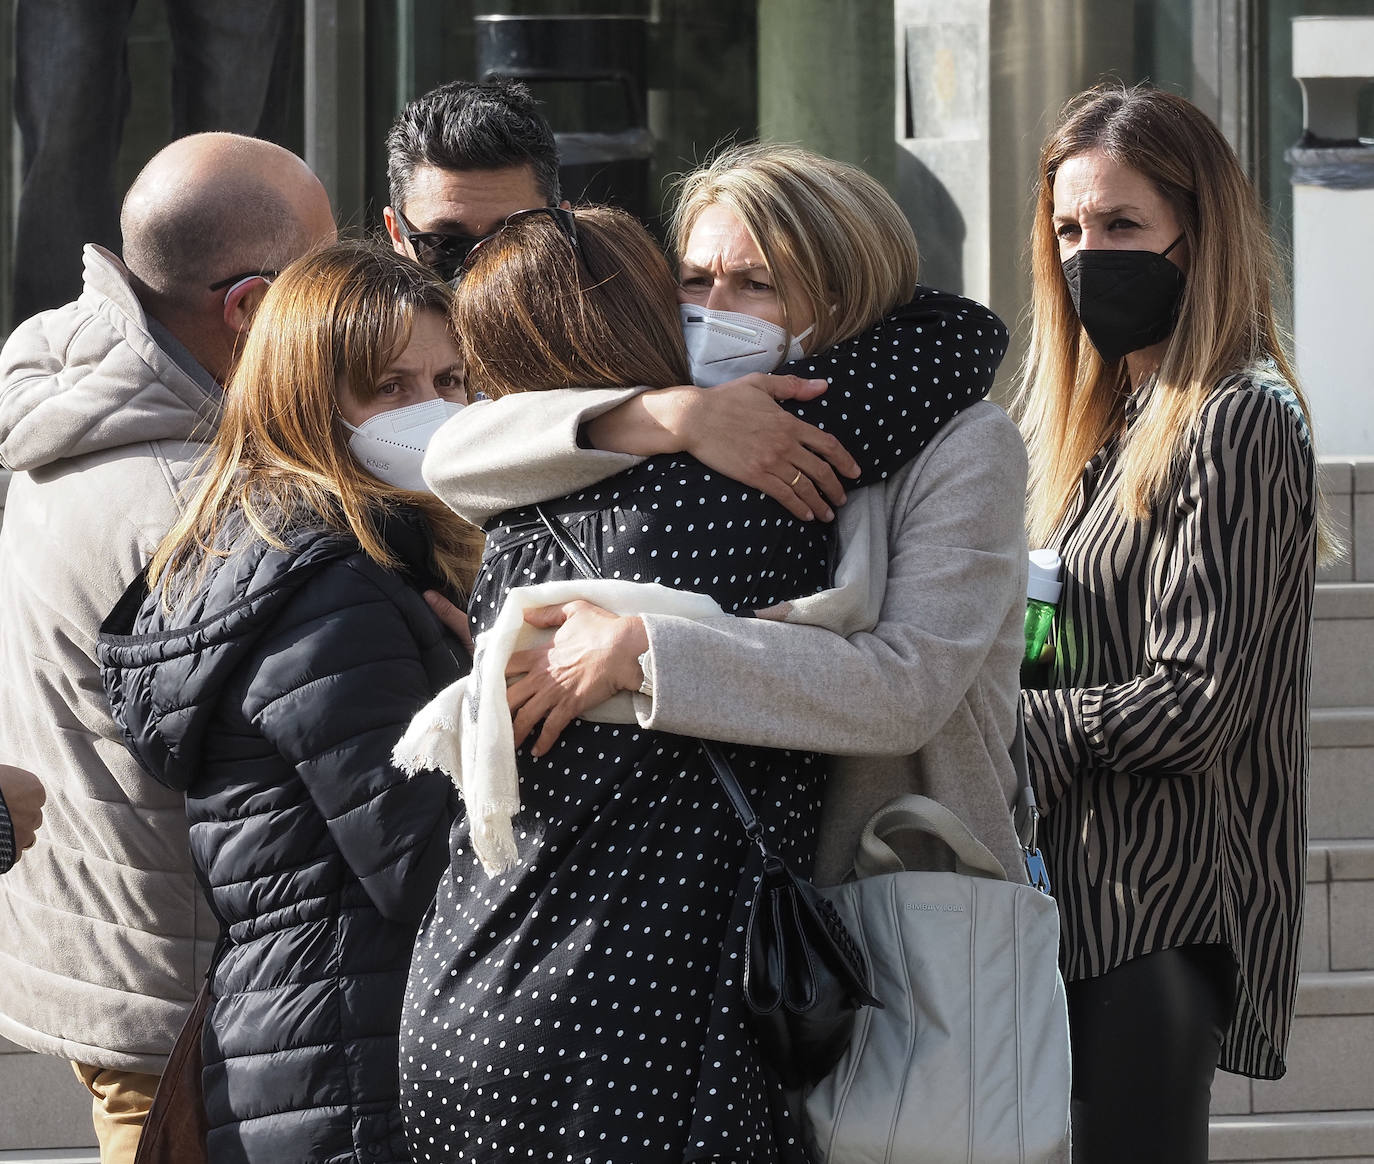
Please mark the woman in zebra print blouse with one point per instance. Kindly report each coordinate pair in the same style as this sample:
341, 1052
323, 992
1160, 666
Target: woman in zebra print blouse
1172, 467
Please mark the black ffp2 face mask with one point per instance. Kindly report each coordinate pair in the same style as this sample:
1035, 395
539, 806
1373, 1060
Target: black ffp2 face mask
1126, 300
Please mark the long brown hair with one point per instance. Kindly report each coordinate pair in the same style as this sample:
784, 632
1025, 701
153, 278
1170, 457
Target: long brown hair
834, 240
330, 324
537, 312
1070, 402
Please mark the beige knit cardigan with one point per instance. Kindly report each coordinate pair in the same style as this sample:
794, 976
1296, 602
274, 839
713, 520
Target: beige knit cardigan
922, 694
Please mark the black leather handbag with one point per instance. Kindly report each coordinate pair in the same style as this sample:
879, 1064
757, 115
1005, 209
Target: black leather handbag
804, 975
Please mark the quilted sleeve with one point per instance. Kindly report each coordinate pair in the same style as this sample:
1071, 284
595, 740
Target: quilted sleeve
340, 675
6, 838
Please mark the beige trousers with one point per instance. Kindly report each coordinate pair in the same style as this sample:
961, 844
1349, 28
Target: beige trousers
119, 1104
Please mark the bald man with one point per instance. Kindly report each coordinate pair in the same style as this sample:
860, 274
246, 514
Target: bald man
105, 404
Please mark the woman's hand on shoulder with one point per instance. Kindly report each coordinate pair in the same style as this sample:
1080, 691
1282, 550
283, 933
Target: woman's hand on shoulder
23, 796
451, 616
593, 655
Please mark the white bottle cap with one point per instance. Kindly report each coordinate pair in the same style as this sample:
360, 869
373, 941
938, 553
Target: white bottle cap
1042, 582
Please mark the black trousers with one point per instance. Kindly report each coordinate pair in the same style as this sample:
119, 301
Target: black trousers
1146, 1038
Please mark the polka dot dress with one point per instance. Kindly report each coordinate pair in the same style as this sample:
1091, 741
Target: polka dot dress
585, 1006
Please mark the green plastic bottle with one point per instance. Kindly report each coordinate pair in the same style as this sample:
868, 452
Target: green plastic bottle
1042, 599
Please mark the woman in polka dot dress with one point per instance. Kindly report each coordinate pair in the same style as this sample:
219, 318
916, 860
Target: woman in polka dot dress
583, 1006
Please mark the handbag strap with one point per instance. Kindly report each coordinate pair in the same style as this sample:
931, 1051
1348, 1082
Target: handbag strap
919, 814
570, 546
1026, 817
720, 766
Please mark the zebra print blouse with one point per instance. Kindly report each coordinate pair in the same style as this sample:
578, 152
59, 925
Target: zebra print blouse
1171, 752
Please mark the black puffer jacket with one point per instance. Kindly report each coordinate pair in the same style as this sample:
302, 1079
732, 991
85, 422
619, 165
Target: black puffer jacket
274, 697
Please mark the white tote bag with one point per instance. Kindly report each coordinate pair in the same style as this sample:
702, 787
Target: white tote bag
968, 1061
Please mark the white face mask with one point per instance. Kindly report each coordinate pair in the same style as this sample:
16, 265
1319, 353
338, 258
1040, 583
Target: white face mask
392, 444
723, 345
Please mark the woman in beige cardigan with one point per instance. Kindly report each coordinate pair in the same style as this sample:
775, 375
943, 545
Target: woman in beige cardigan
921, 695
930, 588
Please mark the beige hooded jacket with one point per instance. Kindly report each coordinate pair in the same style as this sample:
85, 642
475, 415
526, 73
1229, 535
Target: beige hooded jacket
105, 931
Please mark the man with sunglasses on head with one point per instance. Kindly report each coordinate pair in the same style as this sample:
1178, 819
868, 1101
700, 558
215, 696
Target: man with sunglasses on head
460, 161
105, 407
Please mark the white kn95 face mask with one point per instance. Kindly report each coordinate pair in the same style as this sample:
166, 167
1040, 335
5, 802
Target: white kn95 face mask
724, 345
392, 444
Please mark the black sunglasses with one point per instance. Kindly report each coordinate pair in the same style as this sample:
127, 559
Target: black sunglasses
442, 253
449, 255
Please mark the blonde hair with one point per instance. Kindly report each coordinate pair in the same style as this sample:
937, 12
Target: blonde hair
328, 326
1070, 401
536, 312
834, 240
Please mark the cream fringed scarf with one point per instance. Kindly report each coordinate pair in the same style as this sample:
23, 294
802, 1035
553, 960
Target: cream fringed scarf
465, 730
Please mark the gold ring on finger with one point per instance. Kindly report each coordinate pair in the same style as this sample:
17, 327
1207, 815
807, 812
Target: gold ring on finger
792, 484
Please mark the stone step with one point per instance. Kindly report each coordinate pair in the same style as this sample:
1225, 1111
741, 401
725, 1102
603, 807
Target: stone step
1344, 600
1330, 1056
1342, 727
1343, 645
1341, 790
1338, 927
1348, 484
1306, 1137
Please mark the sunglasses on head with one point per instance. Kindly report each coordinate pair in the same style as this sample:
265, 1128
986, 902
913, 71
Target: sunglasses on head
449, 255
563, 218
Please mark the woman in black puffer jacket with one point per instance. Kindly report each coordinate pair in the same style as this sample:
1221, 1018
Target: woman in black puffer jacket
270, 675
